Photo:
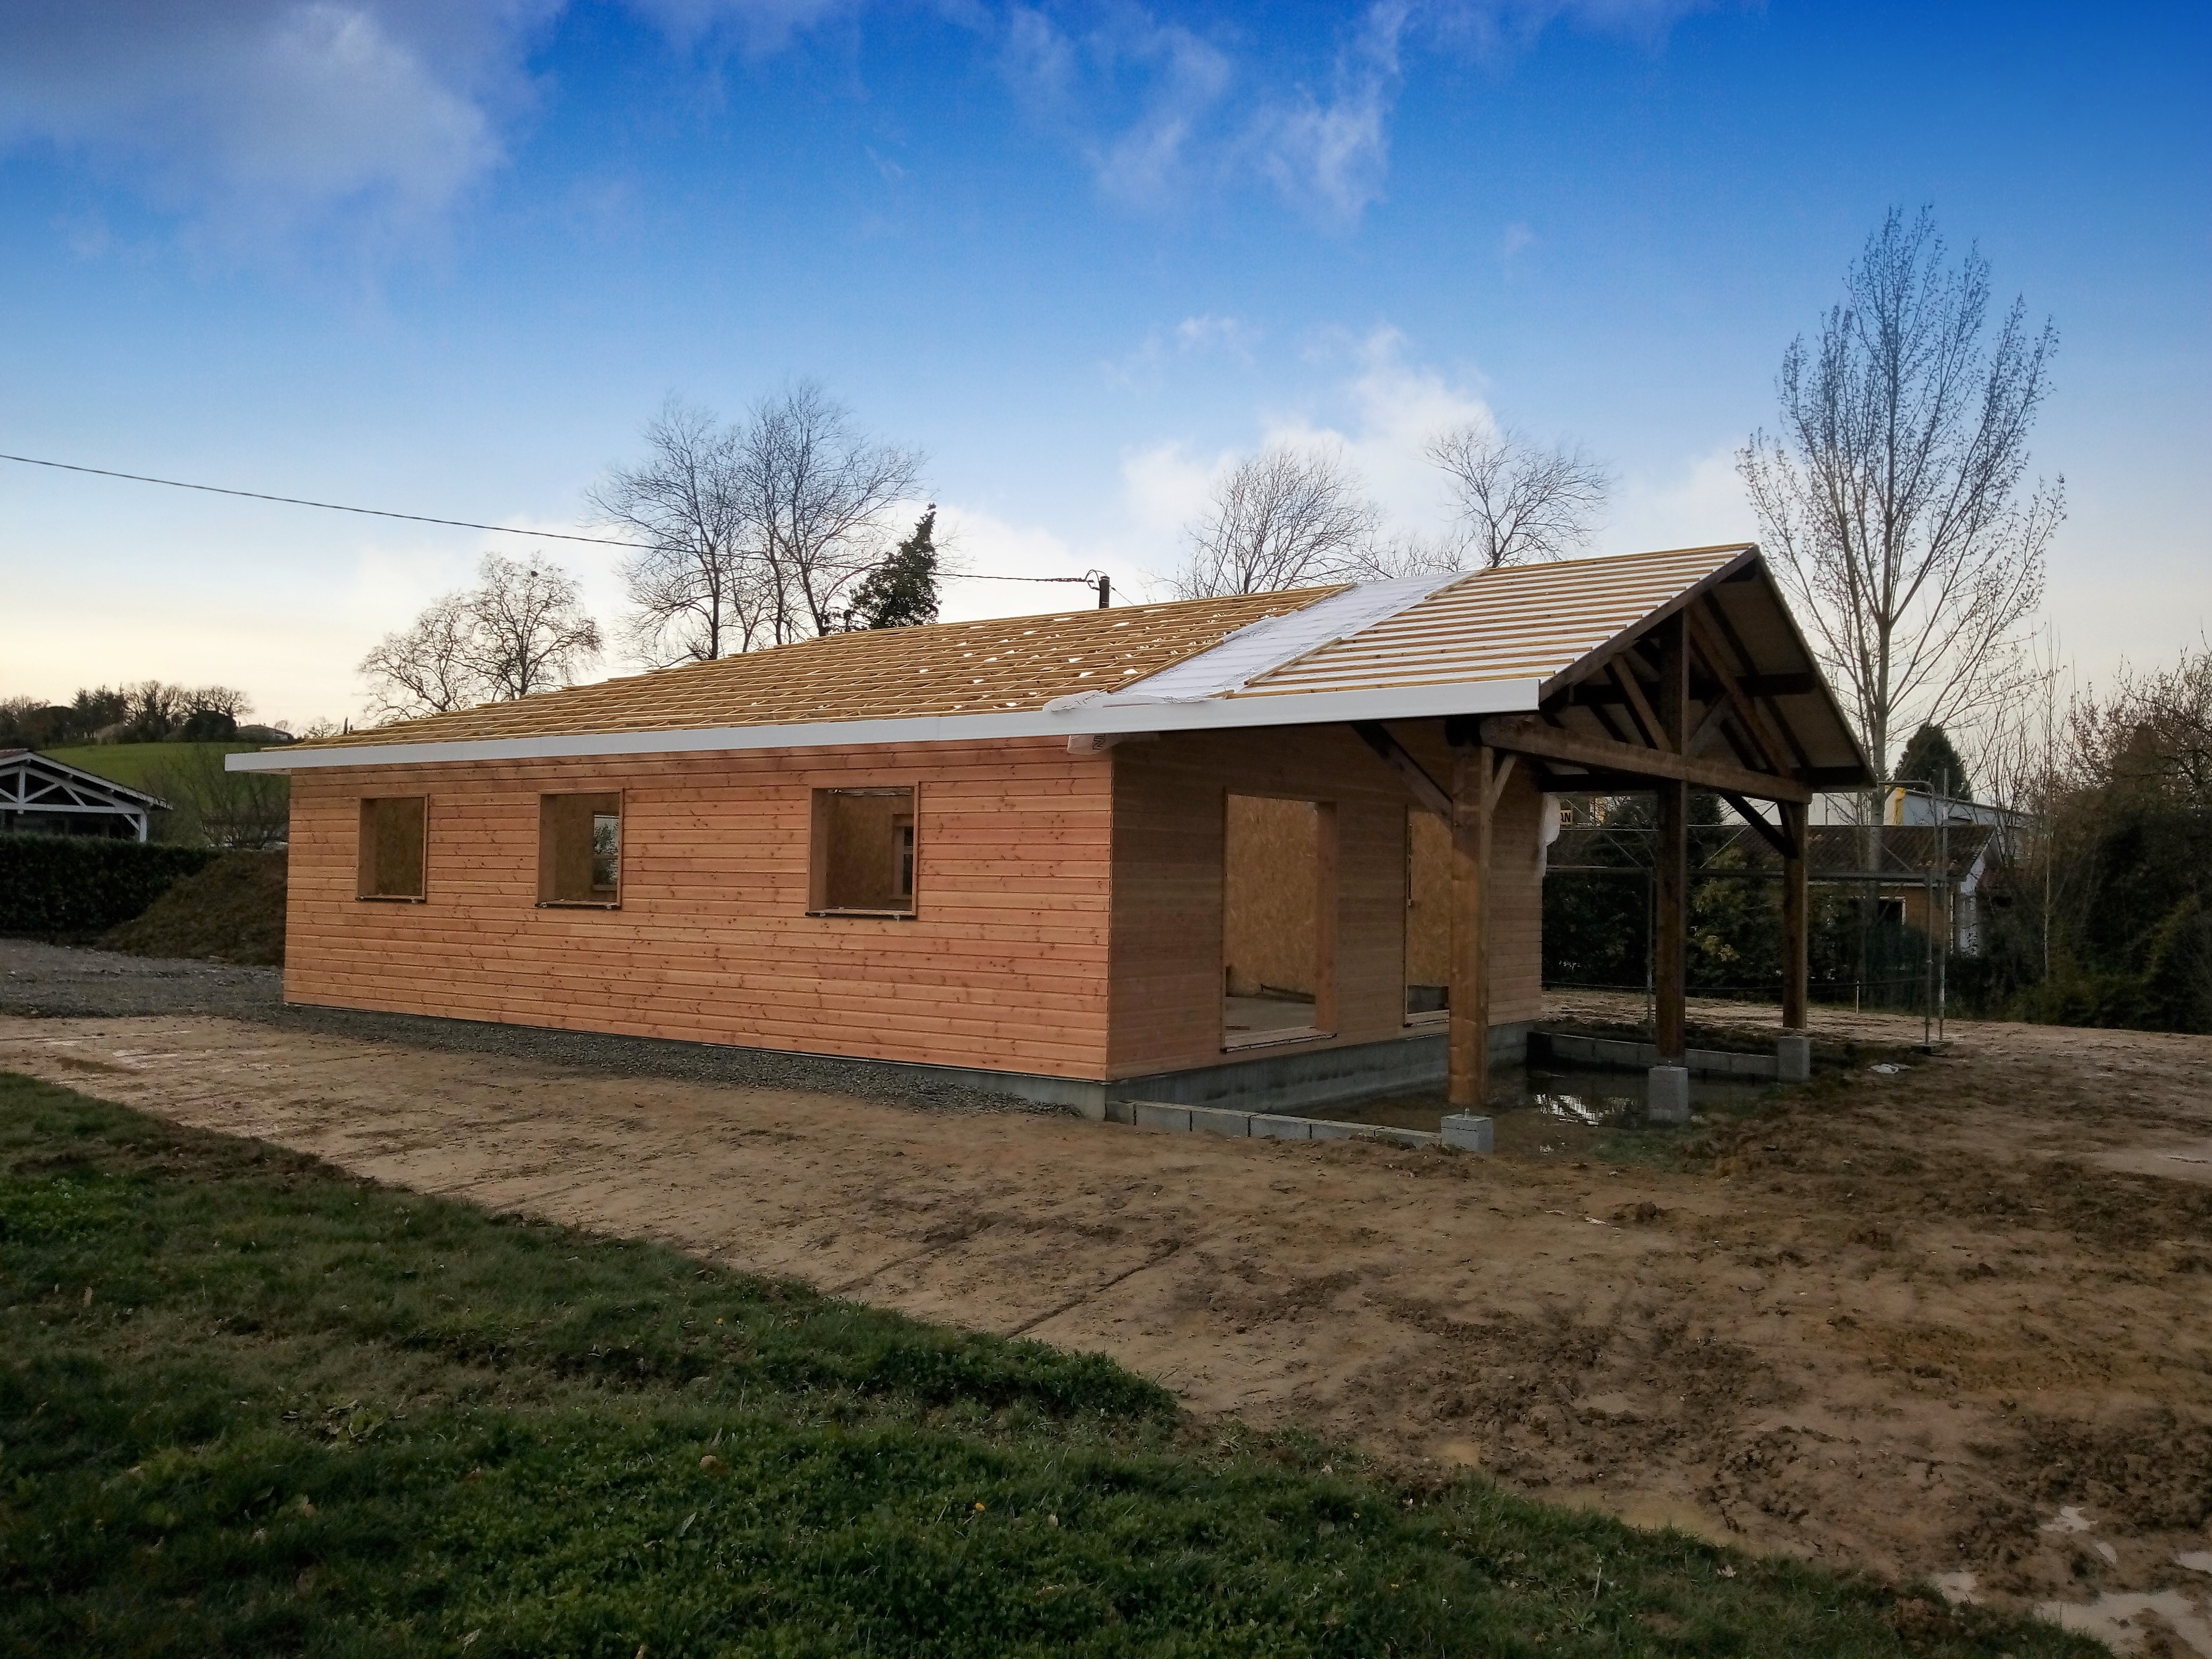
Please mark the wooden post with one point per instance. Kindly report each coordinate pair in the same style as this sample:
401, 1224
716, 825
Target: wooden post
1671, 851
1468, 1041
1797, 919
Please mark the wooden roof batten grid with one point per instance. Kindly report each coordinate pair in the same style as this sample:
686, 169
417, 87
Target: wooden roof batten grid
1549, 662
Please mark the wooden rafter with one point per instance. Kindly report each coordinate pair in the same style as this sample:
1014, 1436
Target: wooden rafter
1747, 711
1425, 788
1639, 705
1778, 839
1523, 736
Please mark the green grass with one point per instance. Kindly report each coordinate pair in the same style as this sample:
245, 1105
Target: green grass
139, 765
251, 1405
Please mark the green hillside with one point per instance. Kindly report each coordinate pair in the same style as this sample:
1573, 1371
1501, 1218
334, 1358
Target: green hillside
135, 765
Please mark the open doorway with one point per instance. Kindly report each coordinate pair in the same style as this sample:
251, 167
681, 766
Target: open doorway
1279, 911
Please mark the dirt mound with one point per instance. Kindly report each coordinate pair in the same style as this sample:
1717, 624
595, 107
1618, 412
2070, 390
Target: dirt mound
232, 911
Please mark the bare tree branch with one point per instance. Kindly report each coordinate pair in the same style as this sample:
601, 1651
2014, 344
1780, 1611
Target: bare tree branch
1518, 500
1890, 499
821, 494
531, 633
426, 670
699, 586
1285, 518
520, 630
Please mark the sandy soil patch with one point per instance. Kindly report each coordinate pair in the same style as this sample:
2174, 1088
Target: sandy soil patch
1951, 1319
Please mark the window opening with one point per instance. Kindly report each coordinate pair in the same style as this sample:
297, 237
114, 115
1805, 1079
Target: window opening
394, 831
1428, 914
867, 852
579, 850
1276, 904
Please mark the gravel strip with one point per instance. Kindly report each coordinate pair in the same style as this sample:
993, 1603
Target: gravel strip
58, 982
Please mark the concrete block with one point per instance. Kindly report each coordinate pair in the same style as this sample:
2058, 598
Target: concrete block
1667, 1094
1390, 1136
1220, 1120
1150, 1115
1466, 1133
1121, 1111
1317, 1130
1793, 1057
1267, 1126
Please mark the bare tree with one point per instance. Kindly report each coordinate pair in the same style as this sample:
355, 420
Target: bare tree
531, 632
1284, 518
521, 629
1518, 501
1891, 498
428, 669
700, 585
821, 494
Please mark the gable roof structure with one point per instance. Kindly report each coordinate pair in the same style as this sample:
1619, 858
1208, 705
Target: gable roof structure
1550, 640
37, 786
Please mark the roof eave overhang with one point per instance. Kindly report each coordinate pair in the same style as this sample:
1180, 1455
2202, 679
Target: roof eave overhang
1105, 717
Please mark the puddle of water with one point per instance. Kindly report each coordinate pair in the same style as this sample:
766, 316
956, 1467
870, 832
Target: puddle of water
1960, 1588
2194, 1560
2115, 1617
1595, 1098
2068, 1519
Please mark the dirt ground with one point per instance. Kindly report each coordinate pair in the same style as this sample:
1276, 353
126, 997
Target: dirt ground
1951, 1319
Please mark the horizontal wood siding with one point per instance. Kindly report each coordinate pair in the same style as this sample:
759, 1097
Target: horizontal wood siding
1005, 967
1168, 893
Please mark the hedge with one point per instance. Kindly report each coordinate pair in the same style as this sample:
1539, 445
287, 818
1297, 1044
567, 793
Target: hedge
59, 885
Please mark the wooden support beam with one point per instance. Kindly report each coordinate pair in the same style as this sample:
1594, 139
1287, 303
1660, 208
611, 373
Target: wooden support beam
1500, 774
1425, 788
1778, 839
1523, 736
1762, 734
1797, 920
1671, 852
1598, 690
1467, 1034
1639, 706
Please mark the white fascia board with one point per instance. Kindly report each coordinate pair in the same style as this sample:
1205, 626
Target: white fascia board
1102, 718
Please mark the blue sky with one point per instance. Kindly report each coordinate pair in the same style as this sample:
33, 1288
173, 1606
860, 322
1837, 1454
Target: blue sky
447, 258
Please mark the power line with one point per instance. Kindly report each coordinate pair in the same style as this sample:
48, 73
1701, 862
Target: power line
1091, 579
328, 507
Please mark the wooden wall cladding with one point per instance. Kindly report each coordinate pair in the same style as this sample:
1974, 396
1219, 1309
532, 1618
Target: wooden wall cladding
1169, 899
1005, 965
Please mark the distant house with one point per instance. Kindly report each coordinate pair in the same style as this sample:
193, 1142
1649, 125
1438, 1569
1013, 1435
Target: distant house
1282, 847
39, 795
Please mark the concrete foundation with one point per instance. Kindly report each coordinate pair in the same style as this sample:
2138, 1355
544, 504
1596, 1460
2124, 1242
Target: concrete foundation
1565, 1049
1466, 1132
1667, 1095
1305, 1078
1265, 1126
1793, 1057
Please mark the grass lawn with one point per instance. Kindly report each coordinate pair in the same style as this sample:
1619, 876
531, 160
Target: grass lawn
141, 765
249, 1405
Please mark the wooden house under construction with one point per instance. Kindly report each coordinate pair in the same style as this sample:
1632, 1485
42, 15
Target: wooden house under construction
1281, 849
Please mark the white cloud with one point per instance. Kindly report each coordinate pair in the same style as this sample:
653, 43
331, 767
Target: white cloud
1394, 408
1330, 156
263, 116
1192, 337
1701, 504
758, 26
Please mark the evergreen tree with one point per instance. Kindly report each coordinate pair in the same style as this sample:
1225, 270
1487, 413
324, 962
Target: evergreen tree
1931, 762
902, 590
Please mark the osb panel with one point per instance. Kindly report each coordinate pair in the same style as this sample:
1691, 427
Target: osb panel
1169, 896
1005, 965
1271, 881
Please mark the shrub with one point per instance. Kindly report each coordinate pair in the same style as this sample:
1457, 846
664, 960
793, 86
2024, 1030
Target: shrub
65, 885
